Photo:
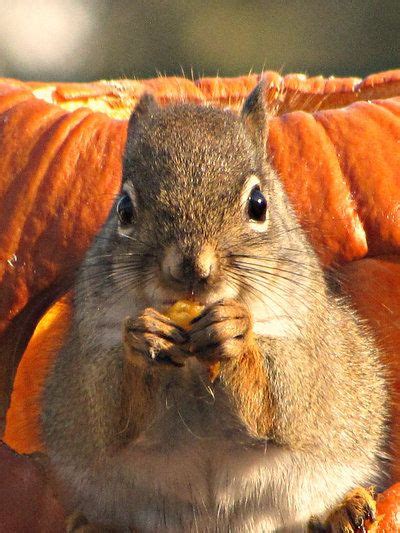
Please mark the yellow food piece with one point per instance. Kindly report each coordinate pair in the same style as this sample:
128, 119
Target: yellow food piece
183, 312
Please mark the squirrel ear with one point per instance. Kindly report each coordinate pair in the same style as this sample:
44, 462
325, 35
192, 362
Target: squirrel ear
146, 106
254, 115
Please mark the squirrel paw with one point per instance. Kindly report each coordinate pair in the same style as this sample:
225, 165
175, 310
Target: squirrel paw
220, 332
351, 516
154, 338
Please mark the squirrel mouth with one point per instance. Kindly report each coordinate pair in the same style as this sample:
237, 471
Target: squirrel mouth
204, 300
184, 296
161, 297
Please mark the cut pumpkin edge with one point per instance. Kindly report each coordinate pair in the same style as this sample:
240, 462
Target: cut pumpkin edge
286, 93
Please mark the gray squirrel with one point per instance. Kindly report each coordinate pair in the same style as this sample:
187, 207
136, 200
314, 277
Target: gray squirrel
138, 437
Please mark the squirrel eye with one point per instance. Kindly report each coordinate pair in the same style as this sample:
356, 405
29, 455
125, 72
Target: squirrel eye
125, 210
257, 207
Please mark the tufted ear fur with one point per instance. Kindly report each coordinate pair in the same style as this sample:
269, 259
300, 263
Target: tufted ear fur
254, 115
145, 107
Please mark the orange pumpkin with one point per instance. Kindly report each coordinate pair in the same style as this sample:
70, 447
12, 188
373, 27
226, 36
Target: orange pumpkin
388, 510
60, 162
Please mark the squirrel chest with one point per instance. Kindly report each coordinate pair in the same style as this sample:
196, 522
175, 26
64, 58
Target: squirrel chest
195, 468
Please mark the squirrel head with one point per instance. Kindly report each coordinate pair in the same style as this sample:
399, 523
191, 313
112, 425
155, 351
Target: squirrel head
201, 212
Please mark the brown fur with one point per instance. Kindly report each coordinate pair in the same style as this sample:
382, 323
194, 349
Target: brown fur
138, 404
248, 384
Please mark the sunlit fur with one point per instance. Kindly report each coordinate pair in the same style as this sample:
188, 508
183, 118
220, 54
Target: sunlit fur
289, 427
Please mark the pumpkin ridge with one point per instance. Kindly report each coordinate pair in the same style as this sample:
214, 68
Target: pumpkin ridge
19, 246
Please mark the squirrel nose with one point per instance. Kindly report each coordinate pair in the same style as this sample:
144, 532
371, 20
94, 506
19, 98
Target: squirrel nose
199, 267
184, 269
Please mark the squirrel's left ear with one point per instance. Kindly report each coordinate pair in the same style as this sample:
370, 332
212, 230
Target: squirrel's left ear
254, 115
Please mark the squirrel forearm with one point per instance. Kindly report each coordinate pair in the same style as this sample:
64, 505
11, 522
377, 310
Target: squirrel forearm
246, 381
109, 404
139, 399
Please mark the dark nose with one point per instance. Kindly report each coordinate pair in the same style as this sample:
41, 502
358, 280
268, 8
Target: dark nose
189, 269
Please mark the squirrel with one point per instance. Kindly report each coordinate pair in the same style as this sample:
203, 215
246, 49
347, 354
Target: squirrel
138, 437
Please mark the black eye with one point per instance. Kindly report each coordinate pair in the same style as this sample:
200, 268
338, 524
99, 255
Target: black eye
125, 210
257, 208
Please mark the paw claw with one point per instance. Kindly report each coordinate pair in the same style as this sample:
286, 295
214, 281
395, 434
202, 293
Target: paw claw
351, 514
152, 339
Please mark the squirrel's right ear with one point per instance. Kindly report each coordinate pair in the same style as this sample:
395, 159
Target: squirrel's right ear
254, 115
145, 107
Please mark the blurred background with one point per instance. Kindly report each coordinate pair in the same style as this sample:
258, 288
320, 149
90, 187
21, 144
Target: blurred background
80, 40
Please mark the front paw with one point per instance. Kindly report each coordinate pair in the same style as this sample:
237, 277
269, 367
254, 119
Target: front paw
220, 332
352, 515
153, 338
